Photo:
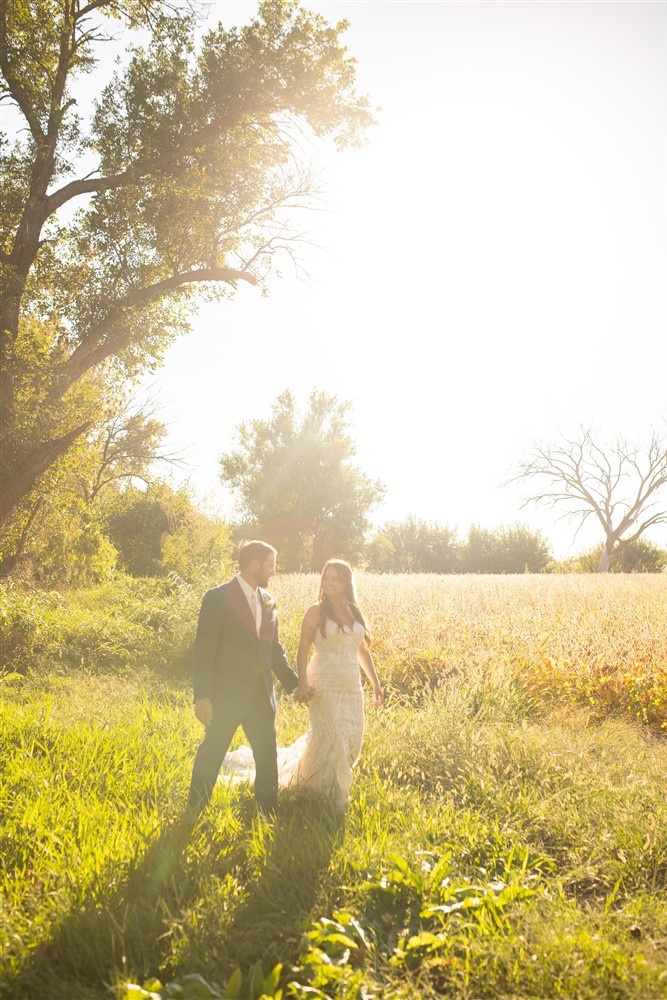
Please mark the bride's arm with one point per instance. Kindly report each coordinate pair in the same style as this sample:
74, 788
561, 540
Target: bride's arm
311, 619
368, 667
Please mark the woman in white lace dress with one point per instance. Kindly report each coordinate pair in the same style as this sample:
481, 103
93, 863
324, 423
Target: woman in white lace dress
331, 683
323, 758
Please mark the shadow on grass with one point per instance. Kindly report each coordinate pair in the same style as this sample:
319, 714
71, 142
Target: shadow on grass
267, 925
110, 925
169, 912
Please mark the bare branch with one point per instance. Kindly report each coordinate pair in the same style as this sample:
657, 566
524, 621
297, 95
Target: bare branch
131, 442
580, 469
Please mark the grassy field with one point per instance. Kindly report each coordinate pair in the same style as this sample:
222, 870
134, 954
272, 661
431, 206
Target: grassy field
507, 835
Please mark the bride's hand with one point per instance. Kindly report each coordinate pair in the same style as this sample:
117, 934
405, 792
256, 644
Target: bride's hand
379, 697
304, 693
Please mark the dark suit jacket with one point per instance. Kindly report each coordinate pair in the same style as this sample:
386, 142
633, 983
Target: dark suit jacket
228, 655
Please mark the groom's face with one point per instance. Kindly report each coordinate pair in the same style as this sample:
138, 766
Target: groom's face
265, 570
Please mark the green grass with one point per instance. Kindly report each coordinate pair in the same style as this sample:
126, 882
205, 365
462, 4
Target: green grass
553, 831
496, 845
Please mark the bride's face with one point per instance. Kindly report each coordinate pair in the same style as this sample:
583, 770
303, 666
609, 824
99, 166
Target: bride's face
332, 585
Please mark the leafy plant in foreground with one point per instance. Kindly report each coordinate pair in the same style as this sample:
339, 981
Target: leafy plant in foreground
253, 986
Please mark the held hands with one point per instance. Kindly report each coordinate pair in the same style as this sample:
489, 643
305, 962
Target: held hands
304, 693
204, 711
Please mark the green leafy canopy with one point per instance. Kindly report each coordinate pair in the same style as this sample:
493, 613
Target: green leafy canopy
185, 179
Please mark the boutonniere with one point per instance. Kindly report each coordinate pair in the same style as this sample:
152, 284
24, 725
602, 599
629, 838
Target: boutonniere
269, 603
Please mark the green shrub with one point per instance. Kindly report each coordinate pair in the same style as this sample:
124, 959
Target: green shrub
126, 623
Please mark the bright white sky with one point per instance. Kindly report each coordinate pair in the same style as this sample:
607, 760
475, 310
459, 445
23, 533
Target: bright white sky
492, 266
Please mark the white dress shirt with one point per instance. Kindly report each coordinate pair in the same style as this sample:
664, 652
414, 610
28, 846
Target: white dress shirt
254, 601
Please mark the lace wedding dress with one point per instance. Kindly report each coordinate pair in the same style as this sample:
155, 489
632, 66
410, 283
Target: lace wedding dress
322, 759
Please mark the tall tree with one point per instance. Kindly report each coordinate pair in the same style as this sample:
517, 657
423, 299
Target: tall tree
296, 483
619, 485
182, 183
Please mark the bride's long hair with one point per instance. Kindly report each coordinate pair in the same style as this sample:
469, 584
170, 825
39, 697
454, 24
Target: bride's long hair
345, 575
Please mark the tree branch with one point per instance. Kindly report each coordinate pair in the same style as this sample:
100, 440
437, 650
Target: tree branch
133, 173
14, 88
659, 518
93, 349
581, 470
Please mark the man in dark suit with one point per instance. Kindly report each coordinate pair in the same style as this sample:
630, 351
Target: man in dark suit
236, 649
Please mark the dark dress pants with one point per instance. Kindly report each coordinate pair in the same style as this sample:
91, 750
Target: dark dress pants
259, 726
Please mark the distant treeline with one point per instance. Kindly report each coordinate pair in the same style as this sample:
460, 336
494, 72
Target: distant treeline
417, 546
160, 531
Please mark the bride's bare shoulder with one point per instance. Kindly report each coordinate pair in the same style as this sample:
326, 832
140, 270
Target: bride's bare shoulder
310, 622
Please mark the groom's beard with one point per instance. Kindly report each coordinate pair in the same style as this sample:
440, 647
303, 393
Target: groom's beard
262, 580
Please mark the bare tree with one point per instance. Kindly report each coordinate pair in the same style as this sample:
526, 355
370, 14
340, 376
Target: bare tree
618, 484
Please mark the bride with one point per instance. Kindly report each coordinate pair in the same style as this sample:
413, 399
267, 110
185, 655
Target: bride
322, 759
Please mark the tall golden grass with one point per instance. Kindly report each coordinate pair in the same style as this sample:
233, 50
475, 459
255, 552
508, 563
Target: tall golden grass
596, 640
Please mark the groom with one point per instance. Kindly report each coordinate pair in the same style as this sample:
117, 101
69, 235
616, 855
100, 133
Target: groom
236, 649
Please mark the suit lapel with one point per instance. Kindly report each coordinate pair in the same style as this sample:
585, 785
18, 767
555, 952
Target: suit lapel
268, 615
241, 606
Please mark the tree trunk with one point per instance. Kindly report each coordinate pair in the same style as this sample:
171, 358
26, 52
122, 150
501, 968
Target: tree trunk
9, 563
603, 566
17, 485
10, 304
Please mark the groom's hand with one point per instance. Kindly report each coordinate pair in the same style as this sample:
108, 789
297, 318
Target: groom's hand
204, 711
